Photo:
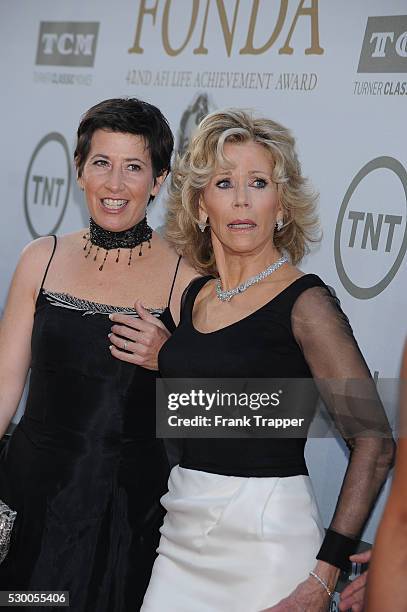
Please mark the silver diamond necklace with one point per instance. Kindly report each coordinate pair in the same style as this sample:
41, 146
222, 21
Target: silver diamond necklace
226, 296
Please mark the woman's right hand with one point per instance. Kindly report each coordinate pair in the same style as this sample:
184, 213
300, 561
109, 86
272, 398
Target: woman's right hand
138, 341
309, 596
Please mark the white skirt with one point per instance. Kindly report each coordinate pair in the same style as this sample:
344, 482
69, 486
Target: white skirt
232, 544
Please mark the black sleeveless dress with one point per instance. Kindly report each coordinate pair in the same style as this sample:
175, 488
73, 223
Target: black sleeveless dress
83, 469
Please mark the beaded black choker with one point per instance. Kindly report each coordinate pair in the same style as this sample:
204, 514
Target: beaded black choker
128, 239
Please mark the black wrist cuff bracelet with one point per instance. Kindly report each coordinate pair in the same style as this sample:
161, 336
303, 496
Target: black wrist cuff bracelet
336, 549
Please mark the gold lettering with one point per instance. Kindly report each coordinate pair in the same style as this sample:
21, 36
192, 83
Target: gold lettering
201, 50
229, 28
228, 32
165, 26
312, 11
136, 48
249, 48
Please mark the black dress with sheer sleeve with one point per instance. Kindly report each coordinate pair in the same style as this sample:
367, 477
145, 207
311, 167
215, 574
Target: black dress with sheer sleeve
83, 468
301, 333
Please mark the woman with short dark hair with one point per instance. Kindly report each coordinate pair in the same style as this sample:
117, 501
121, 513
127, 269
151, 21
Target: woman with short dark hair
83, 469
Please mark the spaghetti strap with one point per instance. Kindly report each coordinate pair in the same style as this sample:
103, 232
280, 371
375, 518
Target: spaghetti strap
50, 259
173, 280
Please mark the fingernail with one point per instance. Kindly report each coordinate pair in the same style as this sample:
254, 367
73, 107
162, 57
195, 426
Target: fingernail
111, 317
108, 335
111, 346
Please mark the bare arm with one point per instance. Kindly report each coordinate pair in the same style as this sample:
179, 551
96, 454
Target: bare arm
16, 327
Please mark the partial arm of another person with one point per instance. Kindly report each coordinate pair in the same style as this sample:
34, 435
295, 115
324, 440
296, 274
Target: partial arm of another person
387, 587
146, 335
333, 356
16, 327
387, 581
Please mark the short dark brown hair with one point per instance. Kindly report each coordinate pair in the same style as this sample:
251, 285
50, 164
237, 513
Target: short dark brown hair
128, 116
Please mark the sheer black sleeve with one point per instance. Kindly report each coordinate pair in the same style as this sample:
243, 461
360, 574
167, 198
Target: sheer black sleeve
326, 339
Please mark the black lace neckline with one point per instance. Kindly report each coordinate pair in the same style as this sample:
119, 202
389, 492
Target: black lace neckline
127, 239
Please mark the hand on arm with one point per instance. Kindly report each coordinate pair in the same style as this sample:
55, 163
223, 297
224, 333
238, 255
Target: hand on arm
146, 335
144, 338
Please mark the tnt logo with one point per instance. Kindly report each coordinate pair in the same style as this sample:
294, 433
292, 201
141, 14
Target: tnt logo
67, 43
47, 185
384, 46
372, 226
47, 190
371, 231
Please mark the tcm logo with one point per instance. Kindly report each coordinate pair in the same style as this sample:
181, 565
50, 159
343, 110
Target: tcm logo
241, 25
47, 185
384, 47
67, 43
371, 231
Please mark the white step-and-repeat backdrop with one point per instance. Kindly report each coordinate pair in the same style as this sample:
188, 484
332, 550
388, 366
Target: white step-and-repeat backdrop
335, 72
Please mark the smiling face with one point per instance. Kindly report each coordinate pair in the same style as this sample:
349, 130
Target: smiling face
242, 202
118, 179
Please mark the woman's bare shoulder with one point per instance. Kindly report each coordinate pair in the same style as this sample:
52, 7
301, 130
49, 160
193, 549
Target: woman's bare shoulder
36, 253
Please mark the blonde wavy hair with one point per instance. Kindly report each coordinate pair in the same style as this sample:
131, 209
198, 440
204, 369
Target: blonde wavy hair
193, 171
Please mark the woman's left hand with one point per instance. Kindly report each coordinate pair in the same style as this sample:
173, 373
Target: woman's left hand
309, 596
138, 341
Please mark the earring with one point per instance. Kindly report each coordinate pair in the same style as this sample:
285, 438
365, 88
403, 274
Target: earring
202, 226
279, 224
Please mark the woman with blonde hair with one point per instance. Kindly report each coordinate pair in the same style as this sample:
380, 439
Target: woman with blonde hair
242, 530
